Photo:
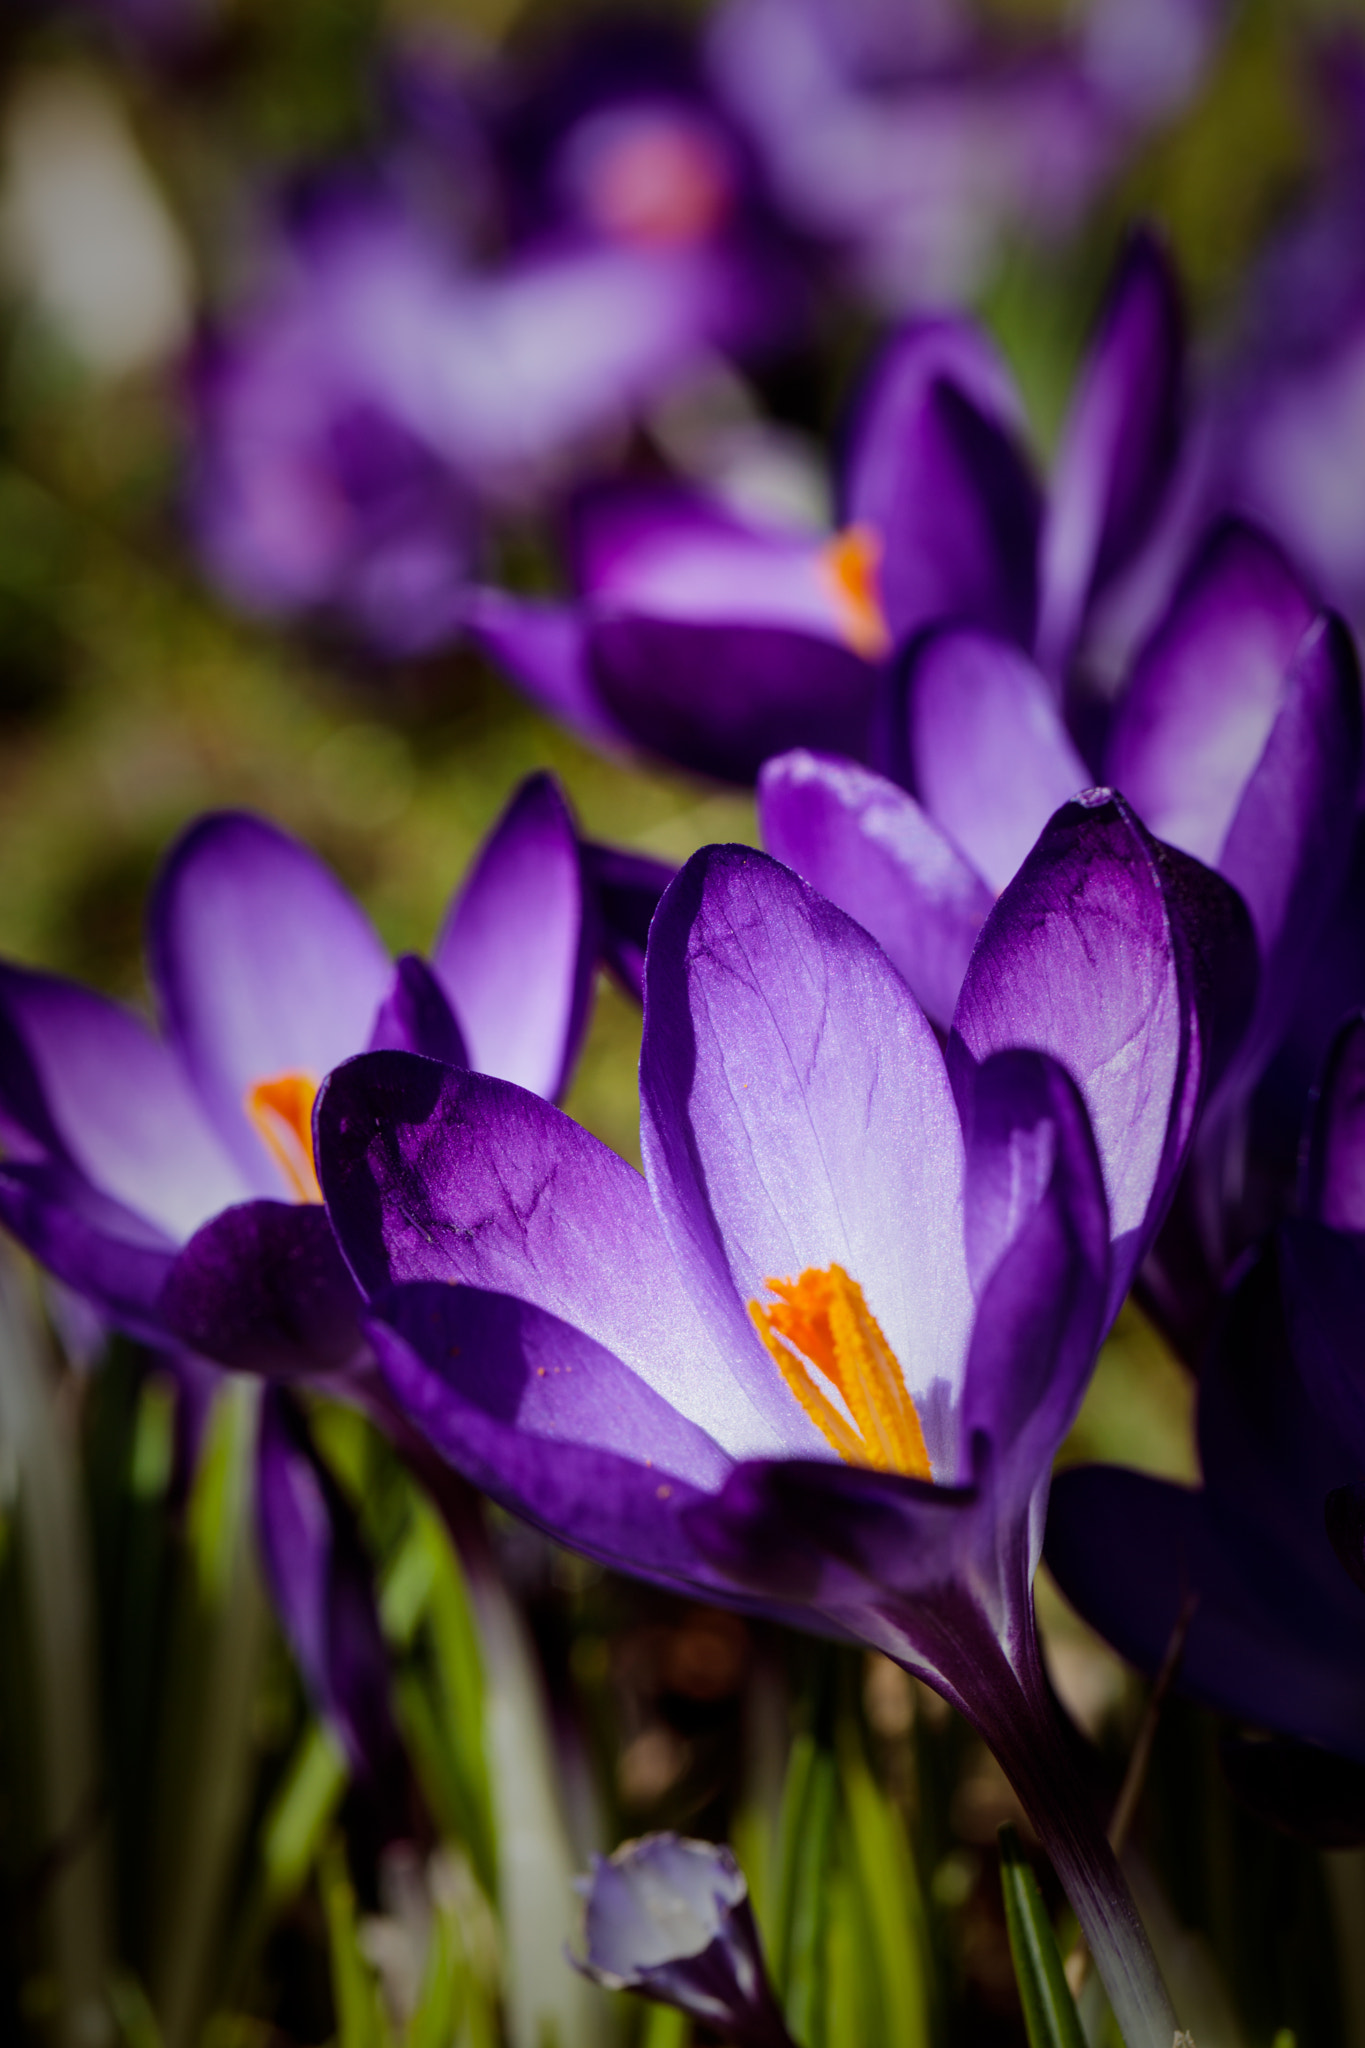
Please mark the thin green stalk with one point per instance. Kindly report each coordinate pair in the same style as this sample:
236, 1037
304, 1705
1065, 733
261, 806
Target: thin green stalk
60, 1621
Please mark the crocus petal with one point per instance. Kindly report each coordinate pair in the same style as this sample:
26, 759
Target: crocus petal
671, 1919
1038, 1254
263, 1288
107, 1253
415, 1016
516, 952
543, 648
1289, 842
431, 1174
323, 1589
795, 1112
1206, 690
263, 966
1334, 1166
1127, 1550
868, 846
988, 755
1324, 1296
935, 469
627, 887
501, 1390
1118, 447
85, 1079
1079, 960
720, 699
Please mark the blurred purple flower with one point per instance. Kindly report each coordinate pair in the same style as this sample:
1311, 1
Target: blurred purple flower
717, 641
862, 1446
904, 139
671, 1920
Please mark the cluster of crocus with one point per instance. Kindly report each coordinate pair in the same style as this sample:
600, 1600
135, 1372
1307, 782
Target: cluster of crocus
168, 1179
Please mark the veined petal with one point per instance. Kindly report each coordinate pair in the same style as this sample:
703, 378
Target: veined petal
1079, 960
935, 467
795, 1112
868, 846
263, 966
988, 755
548, 1422
1206, 690
516, 952
432, 1174
84, 1079
1118, 447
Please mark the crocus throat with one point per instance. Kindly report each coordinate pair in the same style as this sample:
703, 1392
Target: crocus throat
850, 564
823, 1319
281, 1113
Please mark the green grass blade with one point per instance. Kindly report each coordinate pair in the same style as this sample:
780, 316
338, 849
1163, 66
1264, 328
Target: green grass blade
1049, 2009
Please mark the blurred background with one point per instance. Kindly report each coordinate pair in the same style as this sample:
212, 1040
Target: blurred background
313, 316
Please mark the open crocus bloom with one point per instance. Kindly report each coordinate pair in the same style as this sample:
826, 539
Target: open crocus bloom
817, 1361
717, 641
169, 1177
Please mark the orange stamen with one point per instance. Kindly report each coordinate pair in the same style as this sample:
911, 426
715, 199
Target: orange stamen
822, 1320
850, 564
281, 1113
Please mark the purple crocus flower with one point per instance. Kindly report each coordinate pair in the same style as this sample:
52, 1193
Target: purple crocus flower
716, 640
818, 1360
671, 1920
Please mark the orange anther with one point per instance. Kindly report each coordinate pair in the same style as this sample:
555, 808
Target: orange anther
281, 1113
850, 564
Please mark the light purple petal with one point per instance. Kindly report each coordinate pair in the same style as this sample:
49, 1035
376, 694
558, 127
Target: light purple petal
989, 757
1118, 447
85, 1077
263, 965
795, 1112
485, 1377
1207, 689
431, 1174
936, 469
516, 952
1079, 960
869, 847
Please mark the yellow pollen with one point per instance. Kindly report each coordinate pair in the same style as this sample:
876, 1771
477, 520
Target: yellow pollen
850, 564
822, 1318
281, 1113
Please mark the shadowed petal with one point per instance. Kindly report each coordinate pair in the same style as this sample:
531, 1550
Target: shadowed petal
627, 887
84, 1079
988, 755
109, 1254
861, 841
934, 468
415, 1016
431, 1174
1118, 447
548, 1422
516, 952
263, 966
323, 1589
1207, 689
263, 1288
1333, 1189
543, 648
795, 1112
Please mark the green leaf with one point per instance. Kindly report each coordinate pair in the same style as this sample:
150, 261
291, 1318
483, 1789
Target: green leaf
665, 2027
1049, 2009
805, 1856
361, 2021
891, 1904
